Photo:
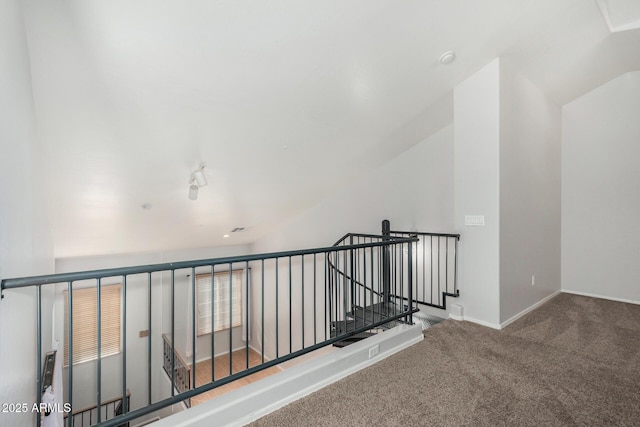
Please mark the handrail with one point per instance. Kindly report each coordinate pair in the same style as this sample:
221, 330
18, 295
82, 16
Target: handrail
178, 371
80, 416
363, 235
345, 275
22, 282
177, 353
423, 233
301, 280
92, 407
428, 299
441, 303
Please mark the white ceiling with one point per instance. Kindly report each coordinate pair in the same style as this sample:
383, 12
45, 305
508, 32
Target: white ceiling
132, 95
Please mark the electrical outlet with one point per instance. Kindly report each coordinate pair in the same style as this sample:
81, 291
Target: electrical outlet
533, 280
373, 351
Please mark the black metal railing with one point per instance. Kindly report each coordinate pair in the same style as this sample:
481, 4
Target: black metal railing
433, 259
181, 369
292, 303
362, 282
111, 408
436, 266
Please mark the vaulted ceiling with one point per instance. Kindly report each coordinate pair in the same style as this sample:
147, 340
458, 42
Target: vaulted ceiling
282, 100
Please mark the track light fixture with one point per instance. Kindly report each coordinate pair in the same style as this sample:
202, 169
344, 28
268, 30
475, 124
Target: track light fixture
198, 179
193, 192
199, 176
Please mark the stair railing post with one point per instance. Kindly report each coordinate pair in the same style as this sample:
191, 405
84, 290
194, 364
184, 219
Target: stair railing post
352, 282
386, 263
410, 281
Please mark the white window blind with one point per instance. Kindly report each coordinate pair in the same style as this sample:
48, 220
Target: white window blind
85, 323
223, 296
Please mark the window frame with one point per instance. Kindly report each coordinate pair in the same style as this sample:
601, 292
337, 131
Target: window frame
203, 319
84, 300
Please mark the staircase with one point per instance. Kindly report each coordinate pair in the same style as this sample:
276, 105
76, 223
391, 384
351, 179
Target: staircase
424, 274
364, 315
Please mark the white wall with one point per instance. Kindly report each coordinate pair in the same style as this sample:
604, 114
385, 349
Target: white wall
84, 387
507, 163
530, 133
477, 155
414, 191
600, 197
25, 242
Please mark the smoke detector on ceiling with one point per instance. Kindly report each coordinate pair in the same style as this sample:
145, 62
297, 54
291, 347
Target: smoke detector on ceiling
447, 57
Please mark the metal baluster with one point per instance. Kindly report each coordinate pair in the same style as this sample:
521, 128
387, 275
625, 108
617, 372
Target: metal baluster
424, 269
364, 282
70, 350
336, 290
124, 344
355, 266
38, 351
399, 289
372, 276
446, 266
149, 338
345, 294
315, 340
290, 314
302, 261
327, 295
193, 327
230, 318
455, 268
394, 277
439, 293
99, 326
351, 282
246, 311
431, 268
277, 314
173, 333
213, 330
409, 279
262, 310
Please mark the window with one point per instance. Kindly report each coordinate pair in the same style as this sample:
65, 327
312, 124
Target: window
85, 323
219, 301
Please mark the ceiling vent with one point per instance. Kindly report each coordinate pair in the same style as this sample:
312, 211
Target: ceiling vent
620, 15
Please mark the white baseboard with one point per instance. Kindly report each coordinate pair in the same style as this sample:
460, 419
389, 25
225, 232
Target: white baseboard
481, 322
527, 310
586, 294
474, 320
242, 406
507, 322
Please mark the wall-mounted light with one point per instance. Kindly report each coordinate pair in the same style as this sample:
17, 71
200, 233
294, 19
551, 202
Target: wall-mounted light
198, 179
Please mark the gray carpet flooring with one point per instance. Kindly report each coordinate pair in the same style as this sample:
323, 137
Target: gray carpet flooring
575, 361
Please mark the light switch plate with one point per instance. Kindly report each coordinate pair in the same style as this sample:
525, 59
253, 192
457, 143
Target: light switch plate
474, 220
